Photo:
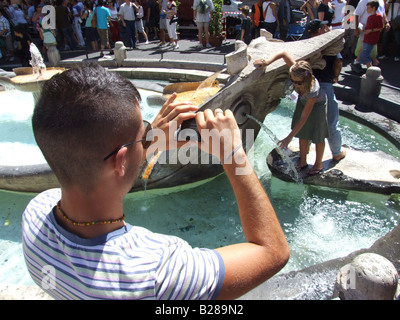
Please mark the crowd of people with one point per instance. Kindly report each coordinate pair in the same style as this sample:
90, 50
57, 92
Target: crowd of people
127, 20
95, 24
276, 16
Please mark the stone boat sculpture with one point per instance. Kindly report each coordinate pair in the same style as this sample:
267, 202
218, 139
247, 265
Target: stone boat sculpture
249, 91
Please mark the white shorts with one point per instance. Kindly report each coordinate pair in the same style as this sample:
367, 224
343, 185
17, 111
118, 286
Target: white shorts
139, 25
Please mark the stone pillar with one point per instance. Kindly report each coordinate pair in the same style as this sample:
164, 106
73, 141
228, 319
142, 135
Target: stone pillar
370, 87
368, 277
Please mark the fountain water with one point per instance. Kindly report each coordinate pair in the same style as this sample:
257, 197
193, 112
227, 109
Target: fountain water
284, 153
37, 63
31, 79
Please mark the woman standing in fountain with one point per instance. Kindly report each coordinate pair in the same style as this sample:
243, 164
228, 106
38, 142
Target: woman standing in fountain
309, 122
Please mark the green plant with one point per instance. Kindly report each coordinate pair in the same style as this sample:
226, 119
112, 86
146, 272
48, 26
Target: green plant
215, 26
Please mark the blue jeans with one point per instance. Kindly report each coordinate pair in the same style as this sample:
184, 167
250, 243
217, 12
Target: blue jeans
68, 36
335, 137
131, 33
365, 56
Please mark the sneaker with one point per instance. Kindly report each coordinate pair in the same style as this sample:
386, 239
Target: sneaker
176, 46
384, 56
147, 42
161, 44
208, 45
356, 67
397, 59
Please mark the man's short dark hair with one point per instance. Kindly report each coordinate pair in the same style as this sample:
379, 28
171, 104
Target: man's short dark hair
81, 115
373, 4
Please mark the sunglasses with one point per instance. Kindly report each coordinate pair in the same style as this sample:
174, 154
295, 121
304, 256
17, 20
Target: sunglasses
299, 83
146, 140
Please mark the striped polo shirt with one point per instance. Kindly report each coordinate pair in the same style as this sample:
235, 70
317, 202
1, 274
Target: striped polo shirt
128, 263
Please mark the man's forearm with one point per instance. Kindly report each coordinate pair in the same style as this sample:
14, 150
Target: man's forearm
259, 221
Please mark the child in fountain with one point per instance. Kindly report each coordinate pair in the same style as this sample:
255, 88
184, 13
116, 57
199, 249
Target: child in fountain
309, 121
23, 40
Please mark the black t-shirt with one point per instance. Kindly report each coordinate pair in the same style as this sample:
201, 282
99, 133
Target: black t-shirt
326, 74
246, 26
329, 12
25, 44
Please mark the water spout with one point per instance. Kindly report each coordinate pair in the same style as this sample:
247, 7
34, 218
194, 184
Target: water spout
37, 63
284, 153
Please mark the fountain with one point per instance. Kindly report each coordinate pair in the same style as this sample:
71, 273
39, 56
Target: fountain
31, 79
248, 91
179, 222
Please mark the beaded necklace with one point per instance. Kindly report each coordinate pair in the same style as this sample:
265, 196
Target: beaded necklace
87, 224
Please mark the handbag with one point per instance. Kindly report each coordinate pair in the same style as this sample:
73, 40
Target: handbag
395, 21
94, 20
174, 19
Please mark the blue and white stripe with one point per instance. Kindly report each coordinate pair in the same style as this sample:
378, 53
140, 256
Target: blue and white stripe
129, 263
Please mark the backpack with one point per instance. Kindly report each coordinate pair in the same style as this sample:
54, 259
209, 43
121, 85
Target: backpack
203, 7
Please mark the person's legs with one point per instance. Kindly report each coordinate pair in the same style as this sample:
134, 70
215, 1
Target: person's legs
335, 137
396, 36
131, 33
174, 35
303, 146
163, 27
78, 33
365, 55
200, 31
207, 32
319, 153
69, 36
385, 43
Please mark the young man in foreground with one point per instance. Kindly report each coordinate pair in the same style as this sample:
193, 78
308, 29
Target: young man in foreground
88, 125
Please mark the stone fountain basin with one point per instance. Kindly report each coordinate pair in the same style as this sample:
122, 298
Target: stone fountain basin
360, 170
26, 81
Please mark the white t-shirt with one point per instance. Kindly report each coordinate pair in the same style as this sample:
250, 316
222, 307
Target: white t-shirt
269, 17
361, 12
127, 12
203, 17
339, 13
396, 11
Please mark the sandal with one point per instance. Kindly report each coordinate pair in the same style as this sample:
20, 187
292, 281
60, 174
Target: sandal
300, 168
313, 172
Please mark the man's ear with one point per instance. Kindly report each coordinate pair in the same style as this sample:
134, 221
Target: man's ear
120, 161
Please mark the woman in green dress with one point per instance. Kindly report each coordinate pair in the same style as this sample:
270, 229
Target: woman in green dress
309, 121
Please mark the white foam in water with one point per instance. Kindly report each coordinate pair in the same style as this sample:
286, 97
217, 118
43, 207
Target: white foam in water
16, 105
319, 223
